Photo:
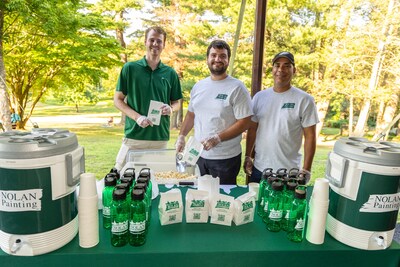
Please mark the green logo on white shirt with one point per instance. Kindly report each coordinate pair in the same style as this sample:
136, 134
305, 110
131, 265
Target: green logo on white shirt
222, 96
288, 105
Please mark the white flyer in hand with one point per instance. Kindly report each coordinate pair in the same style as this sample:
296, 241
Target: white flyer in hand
154, 114
192, 151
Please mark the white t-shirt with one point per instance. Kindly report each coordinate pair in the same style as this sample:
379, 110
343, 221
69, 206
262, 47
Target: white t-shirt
281, 118
217, 105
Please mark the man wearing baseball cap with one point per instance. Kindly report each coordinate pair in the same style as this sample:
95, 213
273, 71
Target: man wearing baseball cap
283, 114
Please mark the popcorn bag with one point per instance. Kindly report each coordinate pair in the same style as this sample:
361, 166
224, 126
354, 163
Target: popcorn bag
170, 209
222, 208
244, 208
192, 151
197, 205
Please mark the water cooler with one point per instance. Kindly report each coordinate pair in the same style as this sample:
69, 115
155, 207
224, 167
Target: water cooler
39, 171
364, 179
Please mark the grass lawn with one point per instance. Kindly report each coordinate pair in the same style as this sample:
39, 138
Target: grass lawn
102, 143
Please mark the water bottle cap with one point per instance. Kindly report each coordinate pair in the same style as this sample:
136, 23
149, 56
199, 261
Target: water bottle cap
145, 172
140, 185
124, 186
300, 193
142, 180
277, 185
291, 185
137, 194
110, 181
119, 194
127, 180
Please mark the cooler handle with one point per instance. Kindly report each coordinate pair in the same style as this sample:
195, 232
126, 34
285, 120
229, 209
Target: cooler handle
71, 181
343, 173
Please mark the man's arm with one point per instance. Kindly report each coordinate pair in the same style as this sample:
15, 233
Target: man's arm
250, 141
175, 105
235, 129
310, 144
120, 104
186, 127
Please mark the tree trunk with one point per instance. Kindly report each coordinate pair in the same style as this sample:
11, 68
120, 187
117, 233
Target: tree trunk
119, 34
322, 109
387, 117
5, 115
376, 69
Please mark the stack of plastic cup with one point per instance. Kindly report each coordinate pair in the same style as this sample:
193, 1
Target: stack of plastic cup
88, 215
319, 204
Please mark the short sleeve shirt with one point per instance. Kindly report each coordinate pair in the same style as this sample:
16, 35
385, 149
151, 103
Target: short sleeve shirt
217, 105
141, 84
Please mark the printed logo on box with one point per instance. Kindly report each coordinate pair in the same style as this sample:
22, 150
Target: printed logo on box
23, 200
171, 205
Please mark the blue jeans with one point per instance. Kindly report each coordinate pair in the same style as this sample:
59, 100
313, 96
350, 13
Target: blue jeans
255, 175
226, 169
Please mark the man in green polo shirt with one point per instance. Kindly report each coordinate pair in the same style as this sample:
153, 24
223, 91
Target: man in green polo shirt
140, 82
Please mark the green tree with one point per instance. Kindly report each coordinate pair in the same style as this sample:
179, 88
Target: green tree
61, 44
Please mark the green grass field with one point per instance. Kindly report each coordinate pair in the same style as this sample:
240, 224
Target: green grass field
102, 143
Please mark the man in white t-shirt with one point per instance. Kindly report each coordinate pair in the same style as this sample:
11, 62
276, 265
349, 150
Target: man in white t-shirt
220, 111
283, 114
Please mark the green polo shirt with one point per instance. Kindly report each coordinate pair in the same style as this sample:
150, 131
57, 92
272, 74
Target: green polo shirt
141, 84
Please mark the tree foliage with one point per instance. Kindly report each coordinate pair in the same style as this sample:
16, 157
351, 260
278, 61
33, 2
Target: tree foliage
60, 46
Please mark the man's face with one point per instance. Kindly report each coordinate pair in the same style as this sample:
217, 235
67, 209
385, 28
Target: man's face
154, 43
217, 61
283, 71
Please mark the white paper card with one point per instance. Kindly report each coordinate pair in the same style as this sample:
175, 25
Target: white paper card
154, 114
192, 151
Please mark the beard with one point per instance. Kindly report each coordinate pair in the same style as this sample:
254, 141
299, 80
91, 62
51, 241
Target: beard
217, 70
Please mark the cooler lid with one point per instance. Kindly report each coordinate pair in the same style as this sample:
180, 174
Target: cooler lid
41, 142
361, 149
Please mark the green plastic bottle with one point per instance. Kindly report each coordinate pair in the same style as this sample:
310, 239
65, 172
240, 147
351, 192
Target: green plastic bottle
275, 207
297, 216
263, 183
119, 218
109, 183
288, 197
137, 221
142, 185
267, 192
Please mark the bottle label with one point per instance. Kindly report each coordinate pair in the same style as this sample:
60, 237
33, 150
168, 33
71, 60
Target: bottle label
106, 211
275, 215
266, 206
299, 225
119, 228
137, 227
287, 215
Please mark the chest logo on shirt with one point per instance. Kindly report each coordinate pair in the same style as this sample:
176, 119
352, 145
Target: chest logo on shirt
221, 96
288, 105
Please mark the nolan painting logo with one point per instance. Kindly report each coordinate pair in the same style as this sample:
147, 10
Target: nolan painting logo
381, 203
171, 205
288, 105
221, 96
24, 200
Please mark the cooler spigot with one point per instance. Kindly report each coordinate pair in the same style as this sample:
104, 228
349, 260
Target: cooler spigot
16, 246
380, 240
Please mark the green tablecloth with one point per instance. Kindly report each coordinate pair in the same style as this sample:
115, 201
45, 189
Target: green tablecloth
210, 245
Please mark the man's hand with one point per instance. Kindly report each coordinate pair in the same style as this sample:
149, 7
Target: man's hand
143, 122
180, 143
248, 165
211, 142
166, 110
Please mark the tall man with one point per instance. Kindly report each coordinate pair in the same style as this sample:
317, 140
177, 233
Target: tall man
220, 111
140, 82
282, 115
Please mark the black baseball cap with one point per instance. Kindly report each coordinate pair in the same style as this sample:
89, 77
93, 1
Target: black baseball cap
284, 54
